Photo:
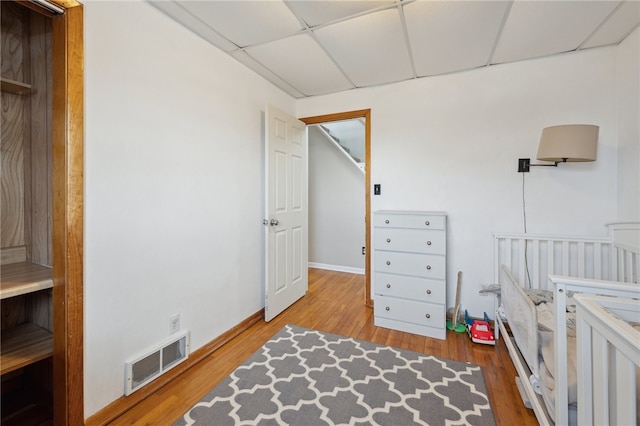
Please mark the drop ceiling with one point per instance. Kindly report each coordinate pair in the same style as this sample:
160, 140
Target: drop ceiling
310, 48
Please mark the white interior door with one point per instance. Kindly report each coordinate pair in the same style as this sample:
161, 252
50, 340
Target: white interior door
286, 221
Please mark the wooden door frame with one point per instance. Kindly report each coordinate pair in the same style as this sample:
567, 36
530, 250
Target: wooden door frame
366, 114
68, 208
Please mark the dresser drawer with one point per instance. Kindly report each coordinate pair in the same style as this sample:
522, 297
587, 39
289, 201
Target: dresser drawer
405, 239
428, 314
420, 265
421, 289
415, 221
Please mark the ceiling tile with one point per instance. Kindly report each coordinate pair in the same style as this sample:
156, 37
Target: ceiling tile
246, 22
371, 49
540, 28
319, 12
247, 60
360, 43
195, 24
618, 26
452, 36
301, 62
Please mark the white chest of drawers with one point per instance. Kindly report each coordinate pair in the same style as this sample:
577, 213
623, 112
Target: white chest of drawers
410, 273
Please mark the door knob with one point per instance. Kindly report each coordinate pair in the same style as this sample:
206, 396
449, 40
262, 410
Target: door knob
273, 222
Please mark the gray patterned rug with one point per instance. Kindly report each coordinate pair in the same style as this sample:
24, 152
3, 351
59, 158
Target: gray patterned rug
306, 377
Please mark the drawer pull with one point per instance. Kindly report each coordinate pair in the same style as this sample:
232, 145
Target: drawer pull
387, 308
388, 240
428, 267
388, 285
428, 243
386, 221
428, 291
388, 263
428, 316
426, 222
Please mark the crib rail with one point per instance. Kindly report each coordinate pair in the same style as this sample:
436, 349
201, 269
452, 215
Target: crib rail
608, 356
532, 258
626, 252
563, 286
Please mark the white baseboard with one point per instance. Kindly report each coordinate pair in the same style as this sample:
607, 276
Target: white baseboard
337, 268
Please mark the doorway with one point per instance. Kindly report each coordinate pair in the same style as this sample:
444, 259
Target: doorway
364, 115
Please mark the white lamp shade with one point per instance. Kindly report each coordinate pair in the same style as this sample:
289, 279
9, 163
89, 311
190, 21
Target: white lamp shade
570, 142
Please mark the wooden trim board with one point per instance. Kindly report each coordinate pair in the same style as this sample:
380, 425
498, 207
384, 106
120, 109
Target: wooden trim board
366, 114
67, 217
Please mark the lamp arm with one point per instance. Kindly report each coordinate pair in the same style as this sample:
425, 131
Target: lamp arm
525, 163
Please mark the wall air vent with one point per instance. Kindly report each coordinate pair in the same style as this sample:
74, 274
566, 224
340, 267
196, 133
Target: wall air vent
156, 362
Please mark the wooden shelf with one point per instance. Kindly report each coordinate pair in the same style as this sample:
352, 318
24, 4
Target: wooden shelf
22, 278
15, 87
24, 345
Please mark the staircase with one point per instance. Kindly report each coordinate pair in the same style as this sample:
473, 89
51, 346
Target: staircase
359, 163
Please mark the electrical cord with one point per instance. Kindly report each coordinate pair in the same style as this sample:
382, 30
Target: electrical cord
524, 220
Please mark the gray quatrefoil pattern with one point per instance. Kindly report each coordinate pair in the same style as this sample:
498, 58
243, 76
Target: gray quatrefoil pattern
307, 377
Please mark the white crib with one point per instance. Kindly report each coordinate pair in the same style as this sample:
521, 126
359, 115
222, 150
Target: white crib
560, 264
608, 360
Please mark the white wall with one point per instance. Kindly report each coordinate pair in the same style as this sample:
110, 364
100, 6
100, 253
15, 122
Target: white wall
173, 188
452, 143
336, 207
628, 103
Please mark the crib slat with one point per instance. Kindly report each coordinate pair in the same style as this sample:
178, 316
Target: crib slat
507, 251
628, 263
565, 258
585, 368
621, 268
522, 264
550, 259
560, 352
581, 254
600, 389
496, 258
535, 264
623, 392
613, 267
597, 261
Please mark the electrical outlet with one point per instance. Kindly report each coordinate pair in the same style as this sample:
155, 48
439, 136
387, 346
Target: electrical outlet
174, 323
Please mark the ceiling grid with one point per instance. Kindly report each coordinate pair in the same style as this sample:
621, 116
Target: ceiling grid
317, 47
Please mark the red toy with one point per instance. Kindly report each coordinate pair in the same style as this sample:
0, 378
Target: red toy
479, 331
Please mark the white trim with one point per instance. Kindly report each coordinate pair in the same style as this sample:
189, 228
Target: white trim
338, 268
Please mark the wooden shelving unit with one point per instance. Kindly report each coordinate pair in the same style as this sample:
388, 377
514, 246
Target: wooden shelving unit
26, 343
11, 86
26, 240
43, 142
23, 278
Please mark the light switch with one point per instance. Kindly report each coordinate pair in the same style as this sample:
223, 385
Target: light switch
376, 189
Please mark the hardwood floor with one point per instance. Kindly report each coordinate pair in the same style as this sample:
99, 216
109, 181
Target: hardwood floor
334, 304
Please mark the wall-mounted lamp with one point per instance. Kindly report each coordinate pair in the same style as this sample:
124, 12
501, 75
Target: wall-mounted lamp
562, 144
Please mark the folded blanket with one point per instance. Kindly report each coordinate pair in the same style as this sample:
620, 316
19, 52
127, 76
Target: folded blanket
546, 319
